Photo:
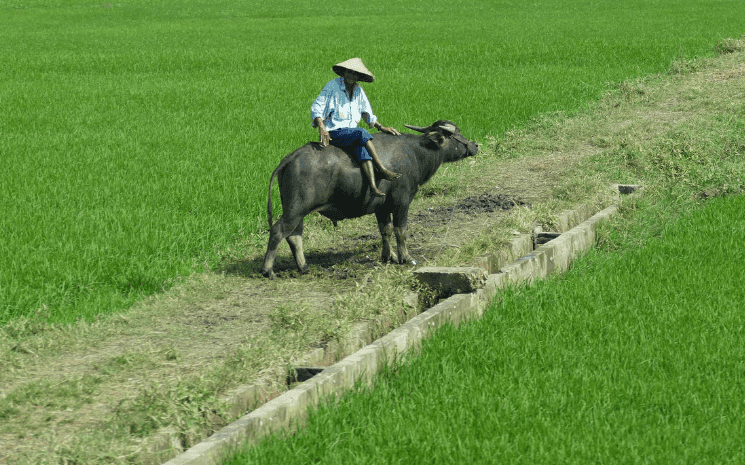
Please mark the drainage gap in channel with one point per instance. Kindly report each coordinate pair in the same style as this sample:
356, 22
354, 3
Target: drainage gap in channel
543, 237
302, 374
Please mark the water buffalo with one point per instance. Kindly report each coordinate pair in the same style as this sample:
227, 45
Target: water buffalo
328, 181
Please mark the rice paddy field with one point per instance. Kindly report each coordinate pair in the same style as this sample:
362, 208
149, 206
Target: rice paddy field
137, 138
633, 356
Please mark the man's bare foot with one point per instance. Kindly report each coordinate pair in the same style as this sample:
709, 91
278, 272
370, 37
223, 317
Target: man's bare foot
389, 175
377, 193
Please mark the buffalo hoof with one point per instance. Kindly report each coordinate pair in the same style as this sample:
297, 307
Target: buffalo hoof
304, 270
392, 258
268, 274
407, 261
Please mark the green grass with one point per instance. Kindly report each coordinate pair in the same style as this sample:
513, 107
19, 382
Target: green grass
633, 356
137, 138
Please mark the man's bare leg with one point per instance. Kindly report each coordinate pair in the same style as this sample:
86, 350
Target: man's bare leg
367, 168
385, 173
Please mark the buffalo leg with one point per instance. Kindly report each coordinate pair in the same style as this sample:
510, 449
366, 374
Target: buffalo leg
403, 251
400, 228
279, 231
386, 233
295, 239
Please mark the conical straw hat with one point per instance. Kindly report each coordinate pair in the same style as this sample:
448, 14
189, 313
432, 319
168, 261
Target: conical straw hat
356, 65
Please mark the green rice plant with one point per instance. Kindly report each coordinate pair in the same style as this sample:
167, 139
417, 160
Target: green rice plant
137, 139
633, 356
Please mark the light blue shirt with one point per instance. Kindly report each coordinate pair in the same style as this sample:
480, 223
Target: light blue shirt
338, 111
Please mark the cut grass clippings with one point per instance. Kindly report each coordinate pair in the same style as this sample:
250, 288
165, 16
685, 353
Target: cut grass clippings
632, 356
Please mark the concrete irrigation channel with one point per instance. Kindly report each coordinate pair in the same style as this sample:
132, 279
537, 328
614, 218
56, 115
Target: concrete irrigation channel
465, 294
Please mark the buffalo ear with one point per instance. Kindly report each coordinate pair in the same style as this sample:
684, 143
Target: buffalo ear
434, 138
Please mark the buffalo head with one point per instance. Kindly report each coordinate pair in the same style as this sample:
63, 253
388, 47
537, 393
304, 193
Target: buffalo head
441, 131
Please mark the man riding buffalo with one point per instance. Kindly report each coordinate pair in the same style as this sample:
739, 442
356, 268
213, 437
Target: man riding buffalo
316, 178
337, 111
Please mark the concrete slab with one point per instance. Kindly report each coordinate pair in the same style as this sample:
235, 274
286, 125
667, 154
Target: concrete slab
451, 280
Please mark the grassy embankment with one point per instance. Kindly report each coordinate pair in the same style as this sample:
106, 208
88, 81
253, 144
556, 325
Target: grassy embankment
634, 355
137, 138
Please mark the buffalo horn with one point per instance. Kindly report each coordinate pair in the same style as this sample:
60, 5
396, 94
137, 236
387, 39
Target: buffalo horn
449, 128
416, 128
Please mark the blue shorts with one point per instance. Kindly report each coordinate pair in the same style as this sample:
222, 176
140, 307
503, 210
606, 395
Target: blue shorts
353, 139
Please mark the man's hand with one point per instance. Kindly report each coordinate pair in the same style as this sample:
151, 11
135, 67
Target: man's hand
324, 136
393, 131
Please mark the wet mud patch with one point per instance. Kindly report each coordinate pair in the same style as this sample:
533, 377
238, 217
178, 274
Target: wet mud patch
488, 203
464, 210
474, 205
